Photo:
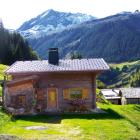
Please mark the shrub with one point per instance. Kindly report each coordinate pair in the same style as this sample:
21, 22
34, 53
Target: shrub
77, 105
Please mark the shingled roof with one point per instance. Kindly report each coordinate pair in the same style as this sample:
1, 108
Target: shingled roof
66, 65
131, 92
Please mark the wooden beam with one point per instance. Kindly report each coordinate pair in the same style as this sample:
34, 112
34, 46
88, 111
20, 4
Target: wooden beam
94, 91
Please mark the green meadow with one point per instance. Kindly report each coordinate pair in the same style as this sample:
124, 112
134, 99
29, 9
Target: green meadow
118, 123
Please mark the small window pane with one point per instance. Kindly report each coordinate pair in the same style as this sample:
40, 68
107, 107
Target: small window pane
21, 100
76, 93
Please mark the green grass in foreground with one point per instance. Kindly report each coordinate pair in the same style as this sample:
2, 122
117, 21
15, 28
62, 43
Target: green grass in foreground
119, 123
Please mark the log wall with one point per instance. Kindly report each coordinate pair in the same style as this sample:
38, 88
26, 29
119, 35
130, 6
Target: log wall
61, 81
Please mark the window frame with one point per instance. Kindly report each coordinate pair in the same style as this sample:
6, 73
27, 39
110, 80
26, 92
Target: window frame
67, 93
21, 100
75, 95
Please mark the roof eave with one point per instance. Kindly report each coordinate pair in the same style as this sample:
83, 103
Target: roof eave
5, 72
74, 71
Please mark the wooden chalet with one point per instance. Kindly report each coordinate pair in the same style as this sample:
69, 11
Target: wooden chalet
52, 85
132, 95
112, 95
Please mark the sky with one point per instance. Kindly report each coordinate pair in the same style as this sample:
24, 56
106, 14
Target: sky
15, 12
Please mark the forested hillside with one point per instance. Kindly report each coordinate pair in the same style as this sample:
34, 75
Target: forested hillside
121, 75
14, 47
114, 38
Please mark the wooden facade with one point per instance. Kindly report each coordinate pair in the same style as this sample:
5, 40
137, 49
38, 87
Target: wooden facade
49, 92
133, 100
52, 85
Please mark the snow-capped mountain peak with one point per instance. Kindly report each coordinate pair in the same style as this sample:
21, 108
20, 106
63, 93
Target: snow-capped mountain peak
44, 14
50, 21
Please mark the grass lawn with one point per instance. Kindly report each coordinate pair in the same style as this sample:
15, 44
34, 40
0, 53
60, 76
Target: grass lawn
119, 123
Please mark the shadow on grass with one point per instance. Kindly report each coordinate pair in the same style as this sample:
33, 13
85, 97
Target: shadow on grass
135, 123
46, 118
137, 126
137, 107
39, 118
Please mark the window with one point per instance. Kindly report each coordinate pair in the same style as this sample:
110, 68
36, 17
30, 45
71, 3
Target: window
76, 93
21, 100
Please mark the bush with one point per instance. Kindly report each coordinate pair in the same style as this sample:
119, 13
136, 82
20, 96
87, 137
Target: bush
100, 84
77, 105
100, 98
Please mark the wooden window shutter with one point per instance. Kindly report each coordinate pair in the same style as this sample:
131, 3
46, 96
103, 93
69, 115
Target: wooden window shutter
66, 94
85, 93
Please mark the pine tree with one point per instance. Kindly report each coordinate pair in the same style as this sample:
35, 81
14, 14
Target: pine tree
14, 47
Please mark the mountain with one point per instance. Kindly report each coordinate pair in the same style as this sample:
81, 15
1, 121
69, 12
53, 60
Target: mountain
51, 21
115, 38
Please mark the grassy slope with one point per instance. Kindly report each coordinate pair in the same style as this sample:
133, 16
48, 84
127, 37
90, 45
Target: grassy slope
120, 122
123, 76
2, 68
129, 64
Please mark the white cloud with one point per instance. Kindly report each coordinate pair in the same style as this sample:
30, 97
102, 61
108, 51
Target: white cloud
15, 12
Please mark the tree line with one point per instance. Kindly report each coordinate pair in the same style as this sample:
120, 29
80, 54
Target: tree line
120, 77
14, 47
135, 78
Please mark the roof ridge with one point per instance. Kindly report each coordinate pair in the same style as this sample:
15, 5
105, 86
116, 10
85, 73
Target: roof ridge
60, 60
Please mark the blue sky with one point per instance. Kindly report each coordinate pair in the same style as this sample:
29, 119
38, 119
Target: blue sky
15, 12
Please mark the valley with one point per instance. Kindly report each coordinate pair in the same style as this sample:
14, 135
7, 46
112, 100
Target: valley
70, 70
115, 38
126, 74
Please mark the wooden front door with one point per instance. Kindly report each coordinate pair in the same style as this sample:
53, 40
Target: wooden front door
52, 99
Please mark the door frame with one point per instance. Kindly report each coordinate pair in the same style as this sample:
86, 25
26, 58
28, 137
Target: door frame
56, 96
